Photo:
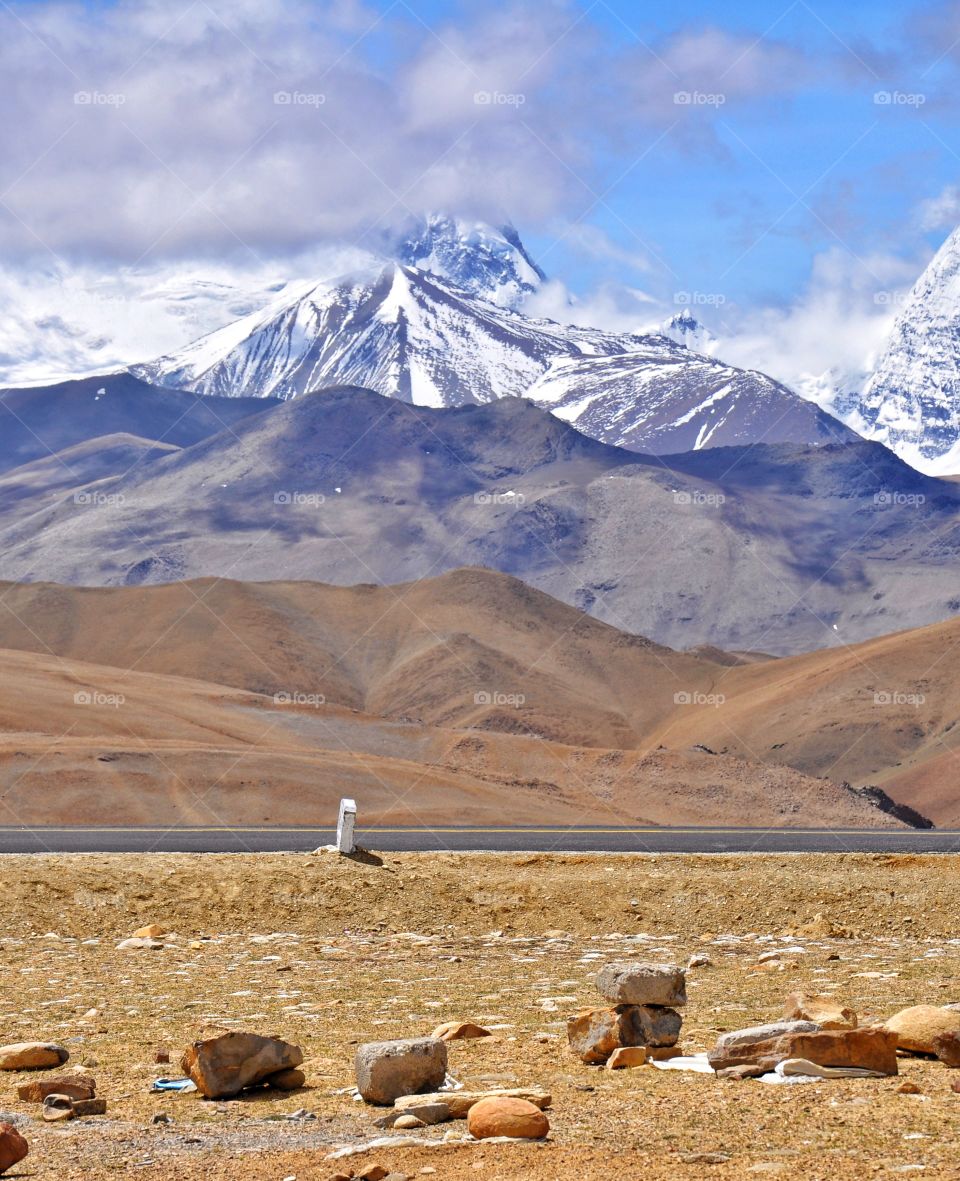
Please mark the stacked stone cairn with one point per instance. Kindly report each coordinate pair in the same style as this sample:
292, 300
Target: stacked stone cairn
641, 1017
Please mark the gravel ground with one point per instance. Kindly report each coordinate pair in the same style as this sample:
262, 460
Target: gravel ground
330, 952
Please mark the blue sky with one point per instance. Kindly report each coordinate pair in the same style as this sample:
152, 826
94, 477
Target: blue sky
817, 165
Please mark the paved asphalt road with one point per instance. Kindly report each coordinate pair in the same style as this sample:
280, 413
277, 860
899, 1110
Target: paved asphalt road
503, 840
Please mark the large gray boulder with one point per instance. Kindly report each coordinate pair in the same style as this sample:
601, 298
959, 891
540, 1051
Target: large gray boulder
387, 1070
643, 984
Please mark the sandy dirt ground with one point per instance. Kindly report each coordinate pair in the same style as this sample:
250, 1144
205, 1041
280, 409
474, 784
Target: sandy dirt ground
330, 952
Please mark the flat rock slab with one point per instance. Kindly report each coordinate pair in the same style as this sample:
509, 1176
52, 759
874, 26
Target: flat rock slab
82, 1107
226, 1064
595, 1034
76, 1086
459, 1102
32, 1056
388, 1070
744, 1047
643, 984
458, 1031
870, 1048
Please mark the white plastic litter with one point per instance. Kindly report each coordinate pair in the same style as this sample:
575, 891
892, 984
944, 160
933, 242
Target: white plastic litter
802, 1070
380, 1142
694, 1062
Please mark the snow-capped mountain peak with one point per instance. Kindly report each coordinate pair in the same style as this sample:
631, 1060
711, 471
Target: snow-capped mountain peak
410, 334
684, 328
489, 262
912, 400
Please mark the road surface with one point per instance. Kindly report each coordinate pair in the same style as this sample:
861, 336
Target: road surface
247, 839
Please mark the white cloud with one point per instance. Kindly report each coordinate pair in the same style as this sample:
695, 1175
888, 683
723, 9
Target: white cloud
838, 323
156, 129
941, 212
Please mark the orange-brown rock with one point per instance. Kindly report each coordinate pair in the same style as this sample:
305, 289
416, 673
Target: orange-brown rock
507, 1117
32, 1056
821, 1010
227, 1063
13, 1147
75, 1086
286, 1080
625, 1057
594, 1035
917, 1027
871, 1047
456, 1031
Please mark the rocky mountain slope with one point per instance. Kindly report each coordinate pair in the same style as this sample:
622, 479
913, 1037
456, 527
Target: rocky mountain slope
663, 401
780, 547
36, 422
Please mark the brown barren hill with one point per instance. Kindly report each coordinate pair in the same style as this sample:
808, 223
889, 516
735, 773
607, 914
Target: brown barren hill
88, 744
483, 676
469, 648
883, 712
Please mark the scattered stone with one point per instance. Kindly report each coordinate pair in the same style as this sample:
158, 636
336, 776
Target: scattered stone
596, 1033
739, 1073
57, 1108
820, 927
643, 984
429, 1113
699, 960
389, 1070
456, 1031
136, 943
290, 1079
162, 1118
908, 1088
627, 1056
153, 931
821, 1010
224, 1064
458, 1103
13, 1147
372, 1173
955, 1085
663, 1053
507, 1117
75, 1086
946, 1046
162, 1055
89, 1107
917, 1027
32, 1056
408, 1121
705, 1158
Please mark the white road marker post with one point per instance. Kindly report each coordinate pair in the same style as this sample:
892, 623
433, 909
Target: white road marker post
348, 818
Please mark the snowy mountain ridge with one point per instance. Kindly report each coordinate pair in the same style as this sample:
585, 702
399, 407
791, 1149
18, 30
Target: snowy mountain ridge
410, 334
